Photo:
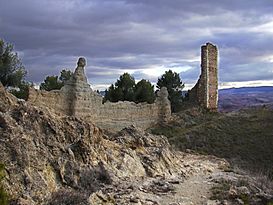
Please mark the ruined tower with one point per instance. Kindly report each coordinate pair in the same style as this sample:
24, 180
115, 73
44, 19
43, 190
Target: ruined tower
209, 66
205, 92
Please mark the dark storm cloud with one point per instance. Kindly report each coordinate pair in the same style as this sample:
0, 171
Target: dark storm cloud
132, 35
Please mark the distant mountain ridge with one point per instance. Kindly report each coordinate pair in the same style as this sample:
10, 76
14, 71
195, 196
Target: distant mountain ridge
232, 99
260, 89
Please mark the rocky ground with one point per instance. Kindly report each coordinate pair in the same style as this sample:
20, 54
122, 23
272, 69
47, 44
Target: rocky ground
54, 160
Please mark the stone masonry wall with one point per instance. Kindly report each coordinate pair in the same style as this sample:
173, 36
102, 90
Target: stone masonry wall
205, 92
76, 98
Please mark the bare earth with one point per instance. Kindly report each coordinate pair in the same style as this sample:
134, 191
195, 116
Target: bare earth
190, 187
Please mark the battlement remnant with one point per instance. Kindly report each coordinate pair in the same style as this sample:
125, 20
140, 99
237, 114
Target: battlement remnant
76, 98
205, 92
79, 74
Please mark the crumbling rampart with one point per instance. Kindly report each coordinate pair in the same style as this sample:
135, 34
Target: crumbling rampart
76, 98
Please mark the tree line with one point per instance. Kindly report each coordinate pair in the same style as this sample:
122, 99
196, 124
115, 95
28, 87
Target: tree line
13, 73
125, 89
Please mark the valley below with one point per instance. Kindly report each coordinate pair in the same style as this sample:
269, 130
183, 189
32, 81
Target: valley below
234, 99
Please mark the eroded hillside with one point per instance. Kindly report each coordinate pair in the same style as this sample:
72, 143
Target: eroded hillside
64, 160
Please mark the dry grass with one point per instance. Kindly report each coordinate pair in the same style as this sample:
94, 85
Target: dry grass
4, 197
244, 138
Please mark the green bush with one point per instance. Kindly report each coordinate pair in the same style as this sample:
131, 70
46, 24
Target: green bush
68, 197
22, 90
4, 198
92, 179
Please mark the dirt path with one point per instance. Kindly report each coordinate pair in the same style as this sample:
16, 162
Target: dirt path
191, 187
196, 188
193, 191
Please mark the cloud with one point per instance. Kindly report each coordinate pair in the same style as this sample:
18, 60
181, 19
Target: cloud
143, 37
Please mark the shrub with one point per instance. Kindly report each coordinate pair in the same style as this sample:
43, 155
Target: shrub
4, 198
92, 179
68, 197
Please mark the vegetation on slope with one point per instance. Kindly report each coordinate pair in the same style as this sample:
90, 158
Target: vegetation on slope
3, 195
244, 138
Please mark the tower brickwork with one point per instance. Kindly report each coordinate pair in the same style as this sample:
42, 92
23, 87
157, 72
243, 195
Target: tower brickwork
205, 92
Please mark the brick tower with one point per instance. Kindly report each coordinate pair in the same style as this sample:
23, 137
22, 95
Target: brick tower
205, 92
209, 66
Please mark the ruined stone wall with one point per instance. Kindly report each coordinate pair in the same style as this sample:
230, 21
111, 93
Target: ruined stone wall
76, 98
205, 92
123, 114
53, 101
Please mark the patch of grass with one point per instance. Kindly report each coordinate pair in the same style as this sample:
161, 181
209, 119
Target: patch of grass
220, 192
4, 197
91, 180
242, 189
68, 197
245, 198
244, 138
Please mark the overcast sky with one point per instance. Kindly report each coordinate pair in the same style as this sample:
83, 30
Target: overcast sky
142, 37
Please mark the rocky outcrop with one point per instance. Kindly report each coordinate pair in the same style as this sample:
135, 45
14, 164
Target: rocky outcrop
45, 154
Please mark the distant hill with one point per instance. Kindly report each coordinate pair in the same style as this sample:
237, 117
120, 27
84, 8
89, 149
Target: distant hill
261, 89
236, 98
